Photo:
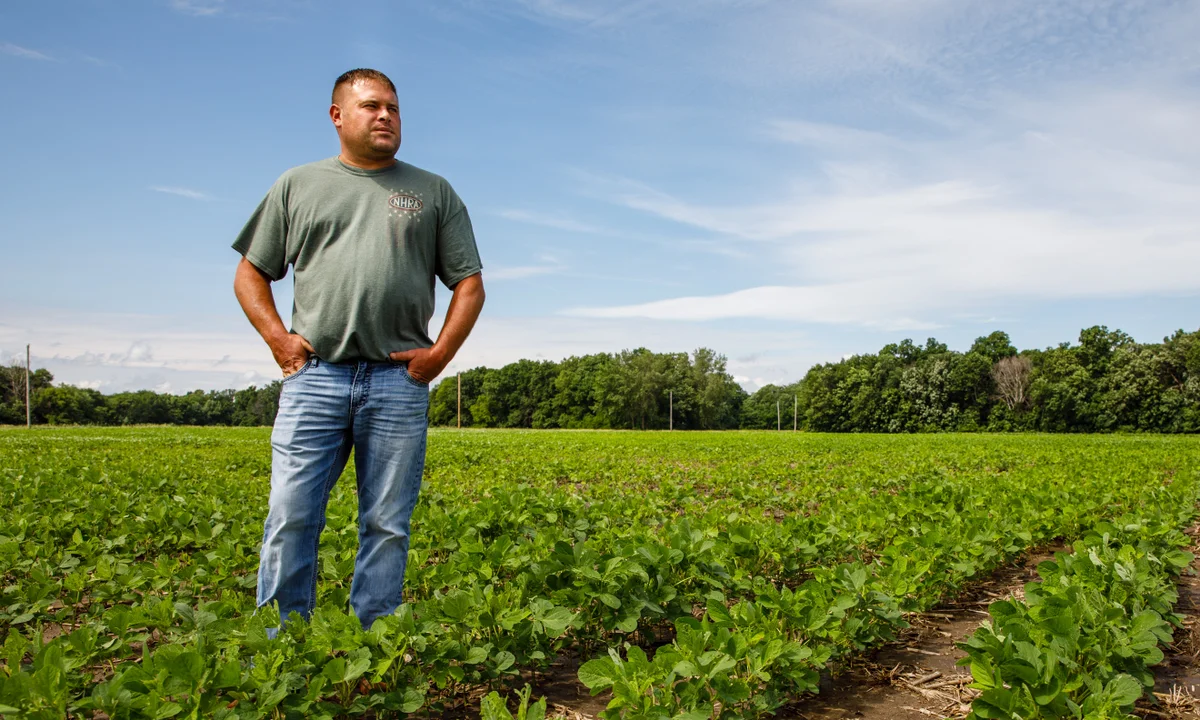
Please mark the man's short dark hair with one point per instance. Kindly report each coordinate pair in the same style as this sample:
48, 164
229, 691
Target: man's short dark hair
359, 75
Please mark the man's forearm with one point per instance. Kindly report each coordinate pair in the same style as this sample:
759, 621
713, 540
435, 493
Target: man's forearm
253, 290
465, 306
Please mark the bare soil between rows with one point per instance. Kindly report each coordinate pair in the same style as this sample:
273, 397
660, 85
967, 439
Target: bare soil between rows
1177, 677
915, 677
918, 676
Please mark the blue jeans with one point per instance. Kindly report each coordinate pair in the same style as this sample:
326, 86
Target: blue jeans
325, 409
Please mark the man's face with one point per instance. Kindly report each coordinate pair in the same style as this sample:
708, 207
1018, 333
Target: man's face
367, 117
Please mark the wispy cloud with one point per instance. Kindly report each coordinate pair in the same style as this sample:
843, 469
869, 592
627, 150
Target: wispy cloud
1043, 205
182, 192
828, 137
547, 265
117, 352
198, 8
10, 49
558, 222
99, 62
613, 14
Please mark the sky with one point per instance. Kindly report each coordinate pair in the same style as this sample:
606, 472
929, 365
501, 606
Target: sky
787, 183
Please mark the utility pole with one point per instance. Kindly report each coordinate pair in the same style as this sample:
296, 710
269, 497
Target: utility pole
459, 376
671, 426
28, 414
795, 412
778, 417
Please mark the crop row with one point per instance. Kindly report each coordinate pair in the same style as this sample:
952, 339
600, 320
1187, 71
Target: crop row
128, 564
1082, 641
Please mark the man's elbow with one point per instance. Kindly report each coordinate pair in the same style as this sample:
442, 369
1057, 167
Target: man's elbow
248, 275
472, 287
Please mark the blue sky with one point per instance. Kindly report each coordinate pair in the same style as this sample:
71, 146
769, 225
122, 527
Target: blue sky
785, 182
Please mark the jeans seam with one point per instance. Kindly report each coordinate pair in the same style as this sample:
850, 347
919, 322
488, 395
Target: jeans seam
412, 380
330, 480
366, 391
303, 369
359, 385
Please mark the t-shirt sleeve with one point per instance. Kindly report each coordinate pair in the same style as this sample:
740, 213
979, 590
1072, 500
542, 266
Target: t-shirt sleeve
457, 254
264, 239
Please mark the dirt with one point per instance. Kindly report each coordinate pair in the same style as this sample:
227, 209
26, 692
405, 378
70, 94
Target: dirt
1177, 678
566, 697
914, 678
918, 677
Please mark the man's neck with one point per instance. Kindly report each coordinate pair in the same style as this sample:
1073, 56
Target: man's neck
365, 164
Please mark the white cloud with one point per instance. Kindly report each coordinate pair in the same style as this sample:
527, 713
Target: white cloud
547, 265
182, 192
99, 62
11, 49
139, 352
198, 8
520, 272
111, 351
558, 222
607, 13
1033, 200
495, 342
106, 351
827, 136
895, 48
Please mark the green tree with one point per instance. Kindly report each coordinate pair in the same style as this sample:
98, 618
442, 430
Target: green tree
759, 409
443, 399
68, 405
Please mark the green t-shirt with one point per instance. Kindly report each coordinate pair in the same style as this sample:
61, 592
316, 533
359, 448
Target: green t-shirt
365, 245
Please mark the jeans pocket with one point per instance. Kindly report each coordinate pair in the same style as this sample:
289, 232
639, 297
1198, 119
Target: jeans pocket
408, 376
303, 368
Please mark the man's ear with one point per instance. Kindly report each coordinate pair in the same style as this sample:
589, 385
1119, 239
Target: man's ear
335, 114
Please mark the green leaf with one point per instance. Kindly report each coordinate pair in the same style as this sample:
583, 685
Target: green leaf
505, 660
413, 700
1123, 690
493, 707
456, 605
1045, 694
335, 669
168, 710
718, 612
984, 677
599, 674
358, 665
229, 675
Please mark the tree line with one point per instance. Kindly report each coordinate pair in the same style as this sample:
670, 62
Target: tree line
1105, 382
69, 405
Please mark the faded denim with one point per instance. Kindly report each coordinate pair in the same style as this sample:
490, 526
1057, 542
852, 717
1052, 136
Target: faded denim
325, 409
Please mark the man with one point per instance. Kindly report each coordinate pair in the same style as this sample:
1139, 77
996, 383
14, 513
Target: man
365, 235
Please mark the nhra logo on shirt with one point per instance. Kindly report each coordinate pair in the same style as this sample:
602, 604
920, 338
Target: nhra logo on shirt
405, 202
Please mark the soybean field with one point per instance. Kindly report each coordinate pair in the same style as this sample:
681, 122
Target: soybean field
686, 575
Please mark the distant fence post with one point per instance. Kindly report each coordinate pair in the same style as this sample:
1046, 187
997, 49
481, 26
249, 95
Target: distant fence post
28, 412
